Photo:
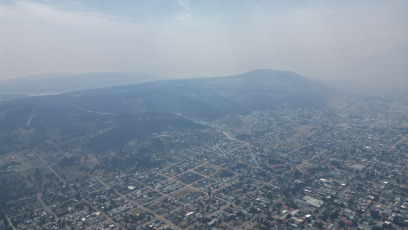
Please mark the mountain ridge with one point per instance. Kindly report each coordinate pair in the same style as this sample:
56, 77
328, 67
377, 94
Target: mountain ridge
70, 82
174, 104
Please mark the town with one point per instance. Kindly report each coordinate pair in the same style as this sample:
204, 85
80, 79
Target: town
296, 169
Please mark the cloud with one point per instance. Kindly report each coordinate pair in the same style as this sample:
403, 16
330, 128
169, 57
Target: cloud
185, 13
185, 4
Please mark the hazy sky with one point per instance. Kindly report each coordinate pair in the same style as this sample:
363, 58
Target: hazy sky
323, 39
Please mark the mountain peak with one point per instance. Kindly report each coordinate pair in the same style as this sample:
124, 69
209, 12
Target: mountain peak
272, 73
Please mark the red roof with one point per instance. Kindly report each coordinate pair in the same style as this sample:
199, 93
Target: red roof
404, 186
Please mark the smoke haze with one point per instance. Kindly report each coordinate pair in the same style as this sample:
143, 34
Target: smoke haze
329, 40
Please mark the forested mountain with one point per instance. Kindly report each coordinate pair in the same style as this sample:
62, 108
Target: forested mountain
136, 111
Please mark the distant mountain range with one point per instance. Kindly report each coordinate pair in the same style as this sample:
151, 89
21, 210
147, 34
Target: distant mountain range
68, 82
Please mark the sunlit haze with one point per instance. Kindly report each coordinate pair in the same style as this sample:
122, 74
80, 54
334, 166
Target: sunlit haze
331, 40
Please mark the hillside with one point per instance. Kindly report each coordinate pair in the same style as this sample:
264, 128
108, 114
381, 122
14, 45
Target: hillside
137, 111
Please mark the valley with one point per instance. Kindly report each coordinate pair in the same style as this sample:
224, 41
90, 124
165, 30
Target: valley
219, 153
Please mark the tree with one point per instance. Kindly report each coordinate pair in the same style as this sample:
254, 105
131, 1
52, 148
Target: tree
398, 220
375, 214
319, 225
297, 174
37, 174
334, 215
